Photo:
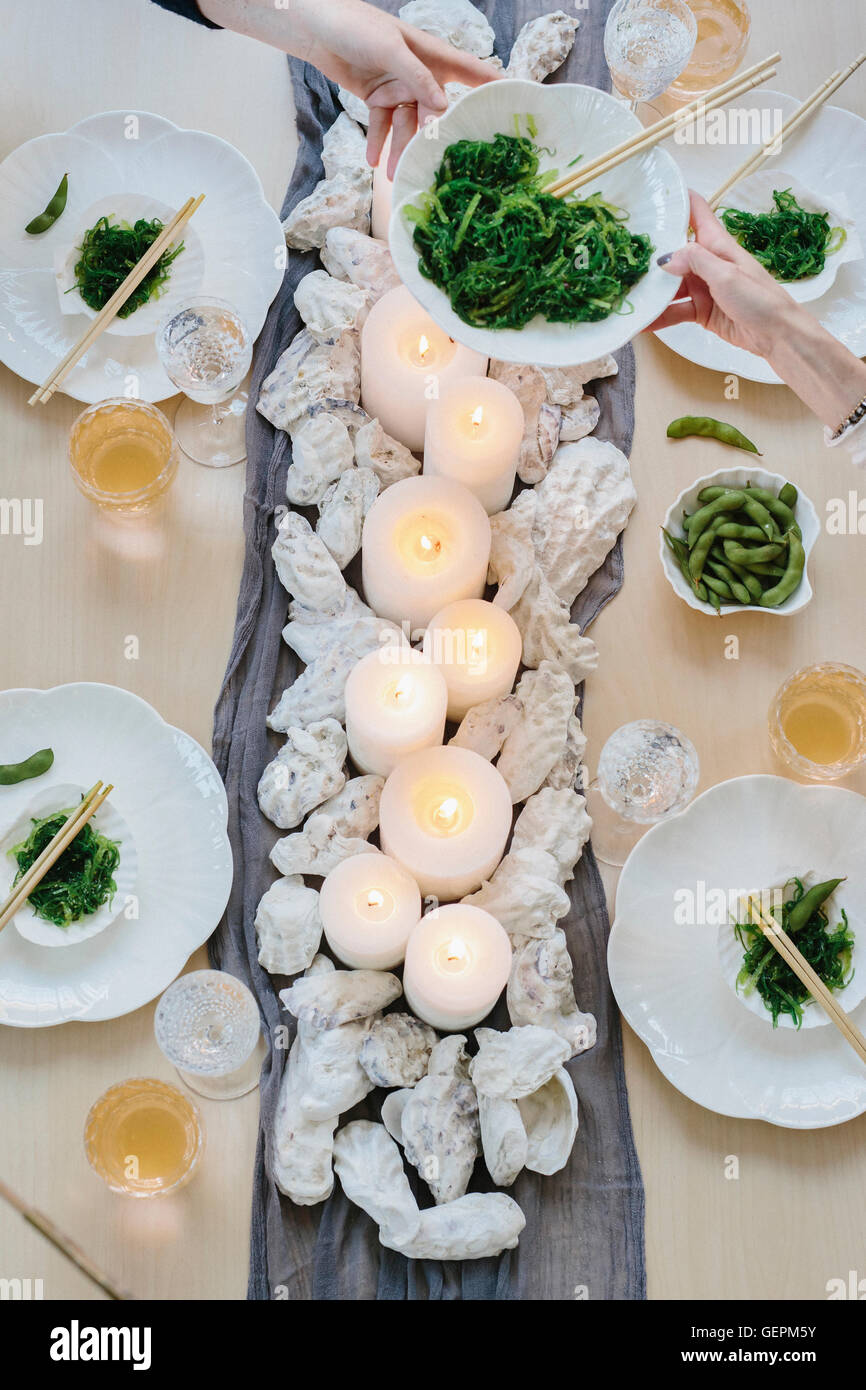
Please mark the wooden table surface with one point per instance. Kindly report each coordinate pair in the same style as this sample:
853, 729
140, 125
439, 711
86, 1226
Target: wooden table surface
70, 603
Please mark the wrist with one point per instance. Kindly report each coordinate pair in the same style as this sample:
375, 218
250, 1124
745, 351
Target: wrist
824, 373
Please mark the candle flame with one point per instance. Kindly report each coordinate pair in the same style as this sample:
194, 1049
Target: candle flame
403, 688
423, 347
375, 898
429, 543
477, 416
456, 951
447, 810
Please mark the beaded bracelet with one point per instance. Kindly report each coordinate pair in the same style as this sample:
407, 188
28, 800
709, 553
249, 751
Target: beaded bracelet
853, 419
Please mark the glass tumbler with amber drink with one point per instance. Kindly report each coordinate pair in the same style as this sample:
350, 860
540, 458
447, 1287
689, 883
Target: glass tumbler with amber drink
818, 721
123, 454
144, 1137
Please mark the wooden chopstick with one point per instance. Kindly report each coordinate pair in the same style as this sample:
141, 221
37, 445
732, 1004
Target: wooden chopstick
772, 146
667, 124
63, 1243
59, 373
644, 140
783, 943
74, 822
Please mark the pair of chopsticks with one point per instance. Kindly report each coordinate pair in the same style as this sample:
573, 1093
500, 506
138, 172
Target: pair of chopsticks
643, 140
169, 232
75, 822
63, 1243
808, 108
783, 943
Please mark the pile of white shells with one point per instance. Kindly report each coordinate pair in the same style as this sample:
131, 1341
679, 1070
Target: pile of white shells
512, 1103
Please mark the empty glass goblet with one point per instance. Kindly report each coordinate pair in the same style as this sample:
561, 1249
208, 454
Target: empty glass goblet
207, 1024
206, 349
647, 771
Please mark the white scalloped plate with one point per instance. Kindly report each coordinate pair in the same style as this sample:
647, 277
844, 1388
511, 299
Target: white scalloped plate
571, 120
668, 980
107, 155
171, 796
687, 500
828, 154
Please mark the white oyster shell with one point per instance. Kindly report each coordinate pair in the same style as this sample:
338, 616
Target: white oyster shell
329, 307
338, 829
322, 449
288, 926
440, 1122
318, 693
308, 373
556, 821
568, 768
303, 1149
342, 201
370, 1169
485, 727
579, 420
344, 147
397, 1049
541, 420
362, 259
470, 1228
389, 459
538, 739
330, 1080
548, 633
541, 991
305, 566
565, 384
582, 505
512, 553
503, 1138
392, 1112
524, 894
456, 21
306, 771
354, 106
542, 46
311, 634
342, 511
550, 1119
327, 1001
515, 1064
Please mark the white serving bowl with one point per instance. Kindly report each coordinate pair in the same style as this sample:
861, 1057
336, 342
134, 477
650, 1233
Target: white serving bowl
48, 800
737, 478
571, 120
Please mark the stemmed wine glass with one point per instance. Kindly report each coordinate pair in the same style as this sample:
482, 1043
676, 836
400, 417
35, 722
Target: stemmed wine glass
206, 349
207, 1025
647, 771
647, 43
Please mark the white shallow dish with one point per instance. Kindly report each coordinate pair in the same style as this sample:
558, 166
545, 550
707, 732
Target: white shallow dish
667, 977
807, 518
571, 119
828, 155
108, 156
50, 798
170, 795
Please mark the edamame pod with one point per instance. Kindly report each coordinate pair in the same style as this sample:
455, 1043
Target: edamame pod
748, 556
789, 495
772, 598
34, 766
803, 911
729, 501
53, 209
708, 428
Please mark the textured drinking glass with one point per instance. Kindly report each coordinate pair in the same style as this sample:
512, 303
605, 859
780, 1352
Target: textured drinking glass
647, 43
144, 1137
207, 1024
647, 771
721, 43
123, 454
206, 349
818, 721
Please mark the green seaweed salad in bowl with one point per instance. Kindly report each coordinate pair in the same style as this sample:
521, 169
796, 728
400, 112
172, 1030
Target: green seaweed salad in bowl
511, 270
90, 885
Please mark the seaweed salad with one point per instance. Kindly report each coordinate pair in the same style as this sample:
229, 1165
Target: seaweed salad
503, 250
788, 241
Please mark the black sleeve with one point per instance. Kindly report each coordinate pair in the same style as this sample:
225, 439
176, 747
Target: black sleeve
189, 9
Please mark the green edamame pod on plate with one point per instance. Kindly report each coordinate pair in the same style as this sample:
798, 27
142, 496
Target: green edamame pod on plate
730, 500
789, 495
803, 911
747, 556
772, 598
52, 210
34, 766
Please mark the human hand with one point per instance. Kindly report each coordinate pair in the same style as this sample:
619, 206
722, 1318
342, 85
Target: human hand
398, 70
725, 289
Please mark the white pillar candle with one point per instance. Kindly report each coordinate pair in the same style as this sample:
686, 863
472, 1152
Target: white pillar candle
445, 815
474, 432
395, 704
477, 646
406, 361
383, 193
369, 905
426, 542
457, 964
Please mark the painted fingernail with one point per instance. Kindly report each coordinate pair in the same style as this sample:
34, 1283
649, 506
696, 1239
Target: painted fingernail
663, 260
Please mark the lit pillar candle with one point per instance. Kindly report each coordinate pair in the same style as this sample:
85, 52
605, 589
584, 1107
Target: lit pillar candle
445, 815
383, 193
395, 704
406, 361
369, 905
457, 964
477, 646
426, 542
474, 432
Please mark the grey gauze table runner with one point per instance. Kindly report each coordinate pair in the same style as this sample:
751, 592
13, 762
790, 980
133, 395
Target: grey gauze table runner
584, 1226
